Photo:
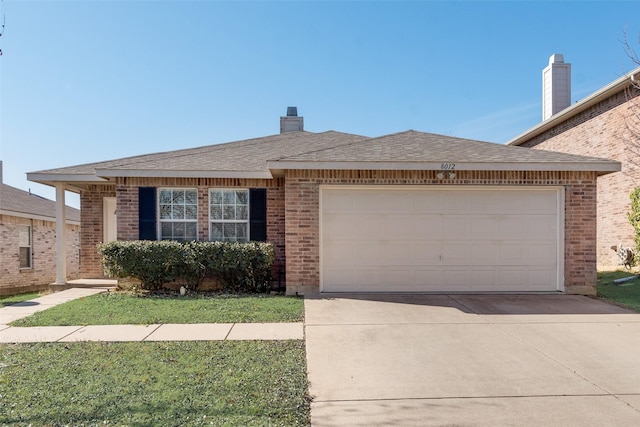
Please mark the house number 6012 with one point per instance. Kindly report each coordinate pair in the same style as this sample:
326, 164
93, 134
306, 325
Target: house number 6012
447, 166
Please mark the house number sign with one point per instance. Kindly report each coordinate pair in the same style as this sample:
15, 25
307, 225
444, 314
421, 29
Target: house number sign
447, 166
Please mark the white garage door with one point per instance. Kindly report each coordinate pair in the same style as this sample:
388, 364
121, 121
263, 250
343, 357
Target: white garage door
441, 239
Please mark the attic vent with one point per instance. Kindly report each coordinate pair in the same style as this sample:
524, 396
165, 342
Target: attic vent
291, 122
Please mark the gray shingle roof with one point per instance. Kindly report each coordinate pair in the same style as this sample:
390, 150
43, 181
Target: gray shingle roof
247, 155
413, 146
306, 150
20, 202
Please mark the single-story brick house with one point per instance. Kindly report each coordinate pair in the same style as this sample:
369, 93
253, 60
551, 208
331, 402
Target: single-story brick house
605, 124
28, 240
406, 212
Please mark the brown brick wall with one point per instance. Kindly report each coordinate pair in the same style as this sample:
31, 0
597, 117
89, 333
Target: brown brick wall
604, 131
12, 278
127, 204
91, 218
302, 213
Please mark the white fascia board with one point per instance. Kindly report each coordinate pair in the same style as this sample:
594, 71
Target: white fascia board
576, 108
55, 177
604, 166
34, 216
159, 173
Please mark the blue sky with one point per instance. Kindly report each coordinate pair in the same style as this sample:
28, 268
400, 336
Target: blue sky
87, 81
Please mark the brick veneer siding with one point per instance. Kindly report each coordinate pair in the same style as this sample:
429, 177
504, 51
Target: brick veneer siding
127, 204
91, 219
603, 131
302, 214
14, 280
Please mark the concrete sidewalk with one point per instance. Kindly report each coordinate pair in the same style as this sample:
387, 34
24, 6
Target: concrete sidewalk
121, 333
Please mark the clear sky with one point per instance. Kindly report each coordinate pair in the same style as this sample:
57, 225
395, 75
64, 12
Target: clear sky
87, 81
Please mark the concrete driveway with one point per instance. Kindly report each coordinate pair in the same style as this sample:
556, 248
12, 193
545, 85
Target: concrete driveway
472, 360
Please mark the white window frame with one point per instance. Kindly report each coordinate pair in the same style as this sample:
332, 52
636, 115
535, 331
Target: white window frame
21, 246
229, 221
175, 220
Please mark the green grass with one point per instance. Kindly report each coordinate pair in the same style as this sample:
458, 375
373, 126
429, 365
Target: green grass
229, 383
625, 294
116, 308
12, 299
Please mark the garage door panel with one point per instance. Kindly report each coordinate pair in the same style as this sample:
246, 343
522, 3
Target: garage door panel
398, 227
543, 226
340, 227
456, 239
427, 227
441, 203
341, 254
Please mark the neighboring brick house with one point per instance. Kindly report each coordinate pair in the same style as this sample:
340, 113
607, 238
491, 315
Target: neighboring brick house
406, 212
604, 124
28, 241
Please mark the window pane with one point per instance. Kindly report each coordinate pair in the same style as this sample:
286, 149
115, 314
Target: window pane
178, 197
242, 197
216, 231
165, 197
191, 232
191, 197
229, 232
216, 212
229, 212
166, 231
216, 197
179, 229
25, 257
25, 235
241, 213
178, 212
191, 212
241, 232
229, 197
165, 211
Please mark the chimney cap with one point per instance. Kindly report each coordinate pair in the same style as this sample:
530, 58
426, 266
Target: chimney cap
292, 111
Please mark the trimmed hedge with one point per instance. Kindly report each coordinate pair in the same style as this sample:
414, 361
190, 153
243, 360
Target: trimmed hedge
239, 267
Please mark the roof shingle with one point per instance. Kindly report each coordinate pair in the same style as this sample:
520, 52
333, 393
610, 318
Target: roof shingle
20, 202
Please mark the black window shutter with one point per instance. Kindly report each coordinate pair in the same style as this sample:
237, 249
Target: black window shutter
258, 214
147, 213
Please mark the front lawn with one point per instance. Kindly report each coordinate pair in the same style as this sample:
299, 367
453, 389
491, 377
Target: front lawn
626, 294
119, 308
230, 383
12, 299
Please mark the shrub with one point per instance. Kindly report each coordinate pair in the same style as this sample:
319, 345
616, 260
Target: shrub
153, 263
240, 267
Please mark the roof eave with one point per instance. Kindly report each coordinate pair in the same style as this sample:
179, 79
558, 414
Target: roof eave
577, 108
164, 173
35, 216
49, 178
602, 167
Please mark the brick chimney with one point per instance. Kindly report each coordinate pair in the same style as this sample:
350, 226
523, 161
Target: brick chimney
556, 86
291, 122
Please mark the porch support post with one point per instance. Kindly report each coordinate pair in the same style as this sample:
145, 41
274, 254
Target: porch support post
61, 238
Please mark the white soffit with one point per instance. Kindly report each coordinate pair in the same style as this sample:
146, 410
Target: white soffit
55, 177
163, 173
